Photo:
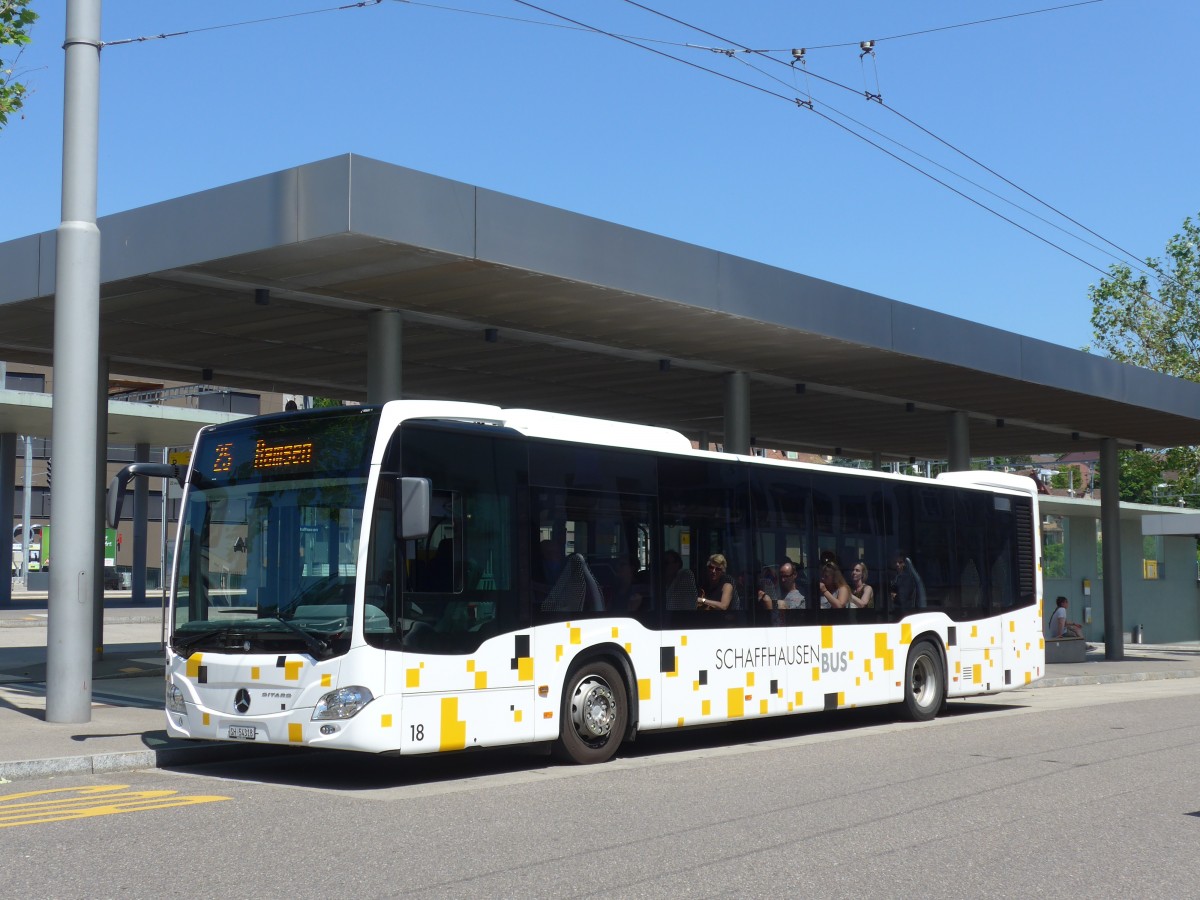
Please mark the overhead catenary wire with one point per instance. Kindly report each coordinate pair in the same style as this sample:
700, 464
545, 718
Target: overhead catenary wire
1136, 263
867, 48
933, 162
278, 18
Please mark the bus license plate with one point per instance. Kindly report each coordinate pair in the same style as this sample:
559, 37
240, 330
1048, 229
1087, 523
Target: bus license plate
243, 732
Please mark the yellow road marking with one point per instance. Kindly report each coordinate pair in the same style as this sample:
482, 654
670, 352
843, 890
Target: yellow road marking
66, 804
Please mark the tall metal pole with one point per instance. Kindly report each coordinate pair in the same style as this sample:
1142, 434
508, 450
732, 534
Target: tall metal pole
76, 361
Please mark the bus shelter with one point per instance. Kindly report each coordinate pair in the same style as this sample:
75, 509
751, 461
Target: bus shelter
356, 279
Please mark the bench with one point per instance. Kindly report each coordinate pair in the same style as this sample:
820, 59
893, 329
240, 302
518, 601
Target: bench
1065, 650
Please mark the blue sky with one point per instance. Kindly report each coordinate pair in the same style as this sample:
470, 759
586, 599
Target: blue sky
1087, 108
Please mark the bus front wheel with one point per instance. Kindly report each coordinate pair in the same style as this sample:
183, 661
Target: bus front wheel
595, 714
924, 686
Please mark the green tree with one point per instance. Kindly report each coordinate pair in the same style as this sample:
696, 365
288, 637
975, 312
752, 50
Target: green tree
16, 21
1158, 330
1141, 473
1152, 319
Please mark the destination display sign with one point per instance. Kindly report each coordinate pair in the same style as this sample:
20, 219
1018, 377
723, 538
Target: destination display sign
321, 444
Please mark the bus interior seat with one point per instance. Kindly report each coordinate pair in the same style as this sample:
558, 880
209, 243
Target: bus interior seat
682, 591
575, 590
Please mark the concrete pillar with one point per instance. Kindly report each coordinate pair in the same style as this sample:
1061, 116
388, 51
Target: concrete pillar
704, 439
99, 525
8, 489
877, 461
1110, 526
385, 331
141, 515
737, 412
958, 441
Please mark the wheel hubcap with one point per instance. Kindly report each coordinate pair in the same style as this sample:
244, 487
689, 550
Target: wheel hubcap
922, 681
593, 709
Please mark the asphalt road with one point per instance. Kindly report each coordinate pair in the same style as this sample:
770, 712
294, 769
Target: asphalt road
1056, 792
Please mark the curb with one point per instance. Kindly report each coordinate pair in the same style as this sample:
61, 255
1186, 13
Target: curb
115, 620
1114, 678
130, 760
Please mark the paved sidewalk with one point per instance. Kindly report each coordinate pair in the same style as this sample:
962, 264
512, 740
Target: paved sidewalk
126, 729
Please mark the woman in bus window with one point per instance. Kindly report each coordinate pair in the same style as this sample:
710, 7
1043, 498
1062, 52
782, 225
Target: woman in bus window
862, 594
835, 593
717, 592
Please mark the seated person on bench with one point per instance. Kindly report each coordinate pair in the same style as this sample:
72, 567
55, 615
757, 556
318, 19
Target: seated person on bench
1059, 626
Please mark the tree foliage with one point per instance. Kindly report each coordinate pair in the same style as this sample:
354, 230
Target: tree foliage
1155, 327
16, 21
1152, 319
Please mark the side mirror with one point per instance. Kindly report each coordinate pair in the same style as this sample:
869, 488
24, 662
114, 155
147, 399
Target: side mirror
116, 487
413, 498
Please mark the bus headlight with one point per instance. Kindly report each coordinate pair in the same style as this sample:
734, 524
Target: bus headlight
344, 703
174, 699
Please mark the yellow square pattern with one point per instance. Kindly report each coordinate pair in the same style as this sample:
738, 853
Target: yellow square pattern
737, 703
454, 732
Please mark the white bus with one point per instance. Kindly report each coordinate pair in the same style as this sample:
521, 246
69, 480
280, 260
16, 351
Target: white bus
425, 576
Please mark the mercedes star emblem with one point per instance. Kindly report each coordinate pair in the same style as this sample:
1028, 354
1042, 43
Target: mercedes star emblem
241, 700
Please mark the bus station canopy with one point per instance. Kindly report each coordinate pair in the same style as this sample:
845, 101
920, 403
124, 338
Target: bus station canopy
269, 284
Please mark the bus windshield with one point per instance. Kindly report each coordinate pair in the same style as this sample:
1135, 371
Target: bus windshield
269, 540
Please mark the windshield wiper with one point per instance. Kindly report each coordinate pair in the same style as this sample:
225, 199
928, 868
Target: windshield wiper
314, 643
191, 640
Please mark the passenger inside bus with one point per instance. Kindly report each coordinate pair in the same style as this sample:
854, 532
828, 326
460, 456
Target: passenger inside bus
790, 596
862, 595
718, 591
835, 593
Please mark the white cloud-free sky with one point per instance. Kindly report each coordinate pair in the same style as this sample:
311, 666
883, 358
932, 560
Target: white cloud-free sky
1087, 108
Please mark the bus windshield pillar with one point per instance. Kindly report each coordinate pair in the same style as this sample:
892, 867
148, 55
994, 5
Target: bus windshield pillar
384, 355
737, 412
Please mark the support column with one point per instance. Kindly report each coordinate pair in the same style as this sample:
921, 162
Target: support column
141, 516
76, 352
704, 440
877, 461
385, 331
958, 441
737, 412
1110, 527
99, 524
8, 489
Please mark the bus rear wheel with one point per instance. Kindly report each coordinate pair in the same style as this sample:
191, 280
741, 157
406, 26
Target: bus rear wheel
924, 685
595, 714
